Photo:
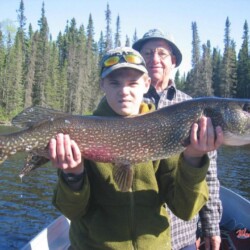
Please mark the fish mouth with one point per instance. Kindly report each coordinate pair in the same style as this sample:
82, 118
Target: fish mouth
231, 139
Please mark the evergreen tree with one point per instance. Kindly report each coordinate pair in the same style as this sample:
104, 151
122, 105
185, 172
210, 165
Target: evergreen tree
179, 81
135, 37
72, 66
101, 46
42, 61
2, 66
21, 29
243, 68
228, 83
108, 35
53, 87
194, 81
207, 71
195, 45
31, 67
216, 64
118, 33
13, 89
91, 91
127, 42
62, 48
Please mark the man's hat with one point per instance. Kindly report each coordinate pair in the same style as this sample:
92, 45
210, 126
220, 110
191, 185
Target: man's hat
157, 34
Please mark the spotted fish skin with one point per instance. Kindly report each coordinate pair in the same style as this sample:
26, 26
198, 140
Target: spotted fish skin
126, 141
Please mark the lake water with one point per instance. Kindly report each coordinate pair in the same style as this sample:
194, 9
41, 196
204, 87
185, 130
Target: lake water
25, 206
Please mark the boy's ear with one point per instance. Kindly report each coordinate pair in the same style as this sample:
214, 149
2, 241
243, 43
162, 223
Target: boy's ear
101, 84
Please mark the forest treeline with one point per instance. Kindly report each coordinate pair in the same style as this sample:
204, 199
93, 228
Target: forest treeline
64, 73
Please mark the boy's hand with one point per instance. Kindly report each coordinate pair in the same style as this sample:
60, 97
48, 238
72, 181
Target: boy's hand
65, 154
202, 141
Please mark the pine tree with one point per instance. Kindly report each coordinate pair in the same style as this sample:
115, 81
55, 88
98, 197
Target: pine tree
179, 81
92, 87
29, 80
135, 37
52, 84
127, 42
228, 83
216, 64
42, 61
195, 45
243, 68
117, 42
206, 72
193, 82
72, 66
108, 35
101, 46
21, 29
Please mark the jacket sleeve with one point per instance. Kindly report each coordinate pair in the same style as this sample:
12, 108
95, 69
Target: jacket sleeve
182, 186
73, 204
210, 214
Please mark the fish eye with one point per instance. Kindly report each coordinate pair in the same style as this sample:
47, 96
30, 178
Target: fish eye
246, 107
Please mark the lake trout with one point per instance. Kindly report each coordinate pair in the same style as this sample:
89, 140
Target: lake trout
127, 141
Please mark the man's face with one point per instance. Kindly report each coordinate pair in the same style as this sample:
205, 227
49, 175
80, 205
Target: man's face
159, 60
124, 89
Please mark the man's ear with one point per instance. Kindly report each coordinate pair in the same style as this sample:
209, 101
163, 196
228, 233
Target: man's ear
173, 58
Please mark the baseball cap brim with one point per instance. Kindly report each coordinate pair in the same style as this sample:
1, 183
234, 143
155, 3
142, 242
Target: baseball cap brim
107, 71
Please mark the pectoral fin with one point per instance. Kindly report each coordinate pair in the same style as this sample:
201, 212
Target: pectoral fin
123, 176
32, 162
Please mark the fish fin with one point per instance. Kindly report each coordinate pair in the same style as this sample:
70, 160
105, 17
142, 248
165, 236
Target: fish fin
32, 162
123, 176
35, 114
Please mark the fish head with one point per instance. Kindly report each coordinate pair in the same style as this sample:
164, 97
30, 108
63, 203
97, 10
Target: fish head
233, 115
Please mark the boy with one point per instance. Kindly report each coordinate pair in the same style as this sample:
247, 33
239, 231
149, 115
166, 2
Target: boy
103, 217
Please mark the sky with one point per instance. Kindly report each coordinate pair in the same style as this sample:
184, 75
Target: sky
172, 17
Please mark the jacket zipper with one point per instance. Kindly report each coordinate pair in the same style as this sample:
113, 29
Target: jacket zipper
132, 219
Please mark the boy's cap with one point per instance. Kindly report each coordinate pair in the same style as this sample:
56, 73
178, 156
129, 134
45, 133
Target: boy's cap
157, 34
121, 52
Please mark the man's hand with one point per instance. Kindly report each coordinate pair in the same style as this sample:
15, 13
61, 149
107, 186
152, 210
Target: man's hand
65, 154
212, 243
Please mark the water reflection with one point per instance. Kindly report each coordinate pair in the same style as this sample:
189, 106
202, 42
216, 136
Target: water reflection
25, 205
233, 169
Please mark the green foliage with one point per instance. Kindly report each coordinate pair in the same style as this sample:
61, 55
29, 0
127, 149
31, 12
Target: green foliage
216, 74
64, 74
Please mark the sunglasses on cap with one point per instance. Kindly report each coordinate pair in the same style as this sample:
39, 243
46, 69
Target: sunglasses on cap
129, 58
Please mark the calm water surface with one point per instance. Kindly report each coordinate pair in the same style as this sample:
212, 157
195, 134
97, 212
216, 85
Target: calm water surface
26, 205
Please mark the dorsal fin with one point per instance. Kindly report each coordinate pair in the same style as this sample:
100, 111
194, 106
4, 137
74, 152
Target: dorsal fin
35, 114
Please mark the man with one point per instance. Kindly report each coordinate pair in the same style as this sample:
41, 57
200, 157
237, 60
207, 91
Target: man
162, 56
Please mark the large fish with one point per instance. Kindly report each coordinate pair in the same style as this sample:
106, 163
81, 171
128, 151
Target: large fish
126, 141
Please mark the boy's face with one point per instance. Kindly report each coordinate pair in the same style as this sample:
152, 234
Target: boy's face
124, 89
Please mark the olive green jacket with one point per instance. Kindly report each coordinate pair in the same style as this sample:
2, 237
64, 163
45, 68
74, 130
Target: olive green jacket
102, 217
